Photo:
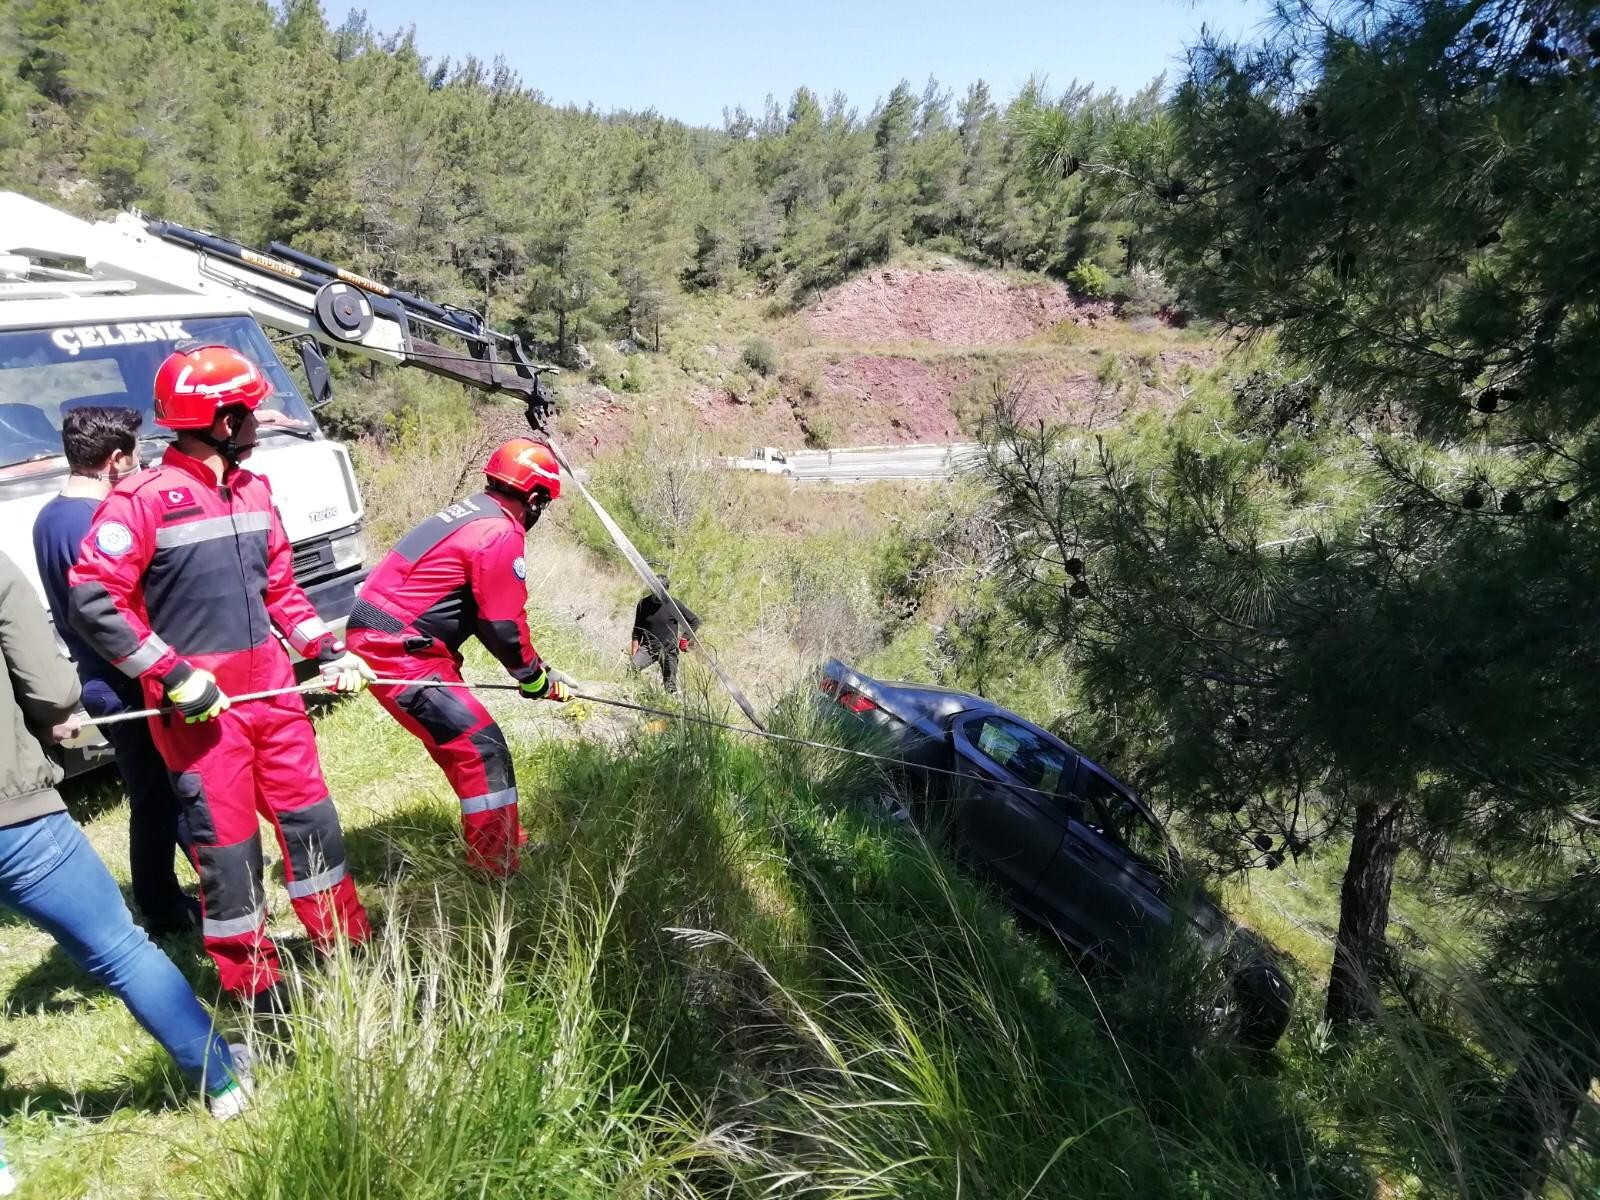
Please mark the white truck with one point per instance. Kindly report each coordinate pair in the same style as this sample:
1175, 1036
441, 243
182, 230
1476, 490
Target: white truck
89, 309
766, 459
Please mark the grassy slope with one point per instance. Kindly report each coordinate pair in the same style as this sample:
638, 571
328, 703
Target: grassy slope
842, 969
561, 1030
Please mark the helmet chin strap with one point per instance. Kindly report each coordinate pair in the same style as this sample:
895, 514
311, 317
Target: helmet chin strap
228, 447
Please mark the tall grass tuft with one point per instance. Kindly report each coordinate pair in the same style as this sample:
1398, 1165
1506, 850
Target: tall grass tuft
442, 1064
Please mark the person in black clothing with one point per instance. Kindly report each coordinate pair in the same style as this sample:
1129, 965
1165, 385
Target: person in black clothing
658, 634
102, 446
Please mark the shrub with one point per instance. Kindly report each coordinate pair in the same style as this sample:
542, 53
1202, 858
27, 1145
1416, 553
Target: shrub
819, 433
630, 378
1089, 280
806, 381
1109, 373
1145, 292
761, 355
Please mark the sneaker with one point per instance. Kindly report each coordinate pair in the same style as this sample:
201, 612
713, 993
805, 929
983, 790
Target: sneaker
235, 1097
229, 1102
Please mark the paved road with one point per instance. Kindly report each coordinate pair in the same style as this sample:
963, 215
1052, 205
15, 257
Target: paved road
861, 464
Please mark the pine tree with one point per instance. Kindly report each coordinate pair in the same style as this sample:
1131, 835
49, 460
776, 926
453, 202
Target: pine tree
1397, 193
932, 169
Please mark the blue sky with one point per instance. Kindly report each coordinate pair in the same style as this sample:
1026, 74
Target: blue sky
690, 60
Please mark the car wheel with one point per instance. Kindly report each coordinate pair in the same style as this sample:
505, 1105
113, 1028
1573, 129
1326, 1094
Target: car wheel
1263, 1003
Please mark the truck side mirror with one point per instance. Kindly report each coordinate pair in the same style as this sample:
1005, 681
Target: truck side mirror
319, 379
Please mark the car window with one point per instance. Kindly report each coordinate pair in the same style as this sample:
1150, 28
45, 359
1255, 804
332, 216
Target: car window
1139, 833
1028, 756
1110, 812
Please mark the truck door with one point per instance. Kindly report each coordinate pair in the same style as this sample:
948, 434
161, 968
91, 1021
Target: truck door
1006, 819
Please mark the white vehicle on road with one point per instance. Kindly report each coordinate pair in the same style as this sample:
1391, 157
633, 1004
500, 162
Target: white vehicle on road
766, 459
88, 311
863, 464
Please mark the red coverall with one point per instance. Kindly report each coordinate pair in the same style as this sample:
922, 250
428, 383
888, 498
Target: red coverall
458, 573
179, 568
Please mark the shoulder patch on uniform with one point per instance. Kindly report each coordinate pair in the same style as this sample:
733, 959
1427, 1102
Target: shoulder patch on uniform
114, 538
520, 567
177, 497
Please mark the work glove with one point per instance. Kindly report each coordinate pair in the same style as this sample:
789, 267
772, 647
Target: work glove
347, 674
197, 696
544, 686
683, 644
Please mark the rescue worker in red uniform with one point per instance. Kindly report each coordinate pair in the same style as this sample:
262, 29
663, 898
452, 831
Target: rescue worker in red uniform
179, 584
458, 574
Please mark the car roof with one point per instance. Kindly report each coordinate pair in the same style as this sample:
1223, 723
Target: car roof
928, 702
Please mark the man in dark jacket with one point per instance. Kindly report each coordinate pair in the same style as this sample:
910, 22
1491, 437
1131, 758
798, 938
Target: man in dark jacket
659, 634
102, 447
49, 873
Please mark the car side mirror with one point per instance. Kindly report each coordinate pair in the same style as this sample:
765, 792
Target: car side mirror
319, 378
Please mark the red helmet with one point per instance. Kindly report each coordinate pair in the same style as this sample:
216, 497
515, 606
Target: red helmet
193, 384
525, 465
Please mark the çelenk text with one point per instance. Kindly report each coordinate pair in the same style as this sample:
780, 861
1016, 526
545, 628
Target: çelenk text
75, 338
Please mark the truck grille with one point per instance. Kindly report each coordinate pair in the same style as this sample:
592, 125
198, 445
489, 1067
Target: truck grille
313, 560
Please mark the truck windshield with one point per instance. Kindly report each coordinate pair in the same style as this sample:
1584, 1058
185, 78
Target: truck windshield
44, 373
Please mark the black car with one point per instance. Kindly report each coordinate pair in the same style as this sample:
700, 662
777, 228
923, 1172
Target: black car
1070, 845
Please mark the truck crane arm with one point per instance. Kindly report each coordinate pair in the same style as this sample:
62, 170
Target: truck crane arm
283, 288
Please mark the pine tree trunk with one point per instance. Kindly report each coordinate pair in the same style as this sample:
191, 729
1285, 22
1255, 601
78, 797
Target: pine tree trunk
1361, 945
1537, 1109
561, 335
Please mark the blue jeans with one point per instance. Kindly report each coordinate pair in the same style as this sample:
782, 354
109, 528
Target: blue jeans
49, 873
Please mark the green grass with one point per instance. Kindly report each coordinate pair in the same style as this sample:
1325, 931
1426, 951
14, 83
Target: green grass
714, 972
723, 975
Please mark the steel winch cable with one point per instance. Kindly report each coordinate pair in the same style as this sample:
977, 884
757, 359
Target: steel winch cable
642, 568
314, 685
143, 714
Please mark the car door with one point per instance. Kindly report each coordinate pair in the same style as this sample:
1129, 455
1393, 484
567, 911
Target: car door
1101, 887
1006, 821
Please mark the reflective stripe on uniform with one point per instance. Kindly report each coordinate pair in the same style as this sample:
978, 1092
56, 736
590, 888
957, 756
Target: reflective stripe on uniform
482, 804
308, 631
300, 888
146, 656
236, 927
212, 527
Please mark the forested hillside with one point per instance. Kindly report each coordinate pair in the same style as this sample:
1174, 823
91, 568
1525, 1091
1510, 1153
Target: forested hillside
461, 180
